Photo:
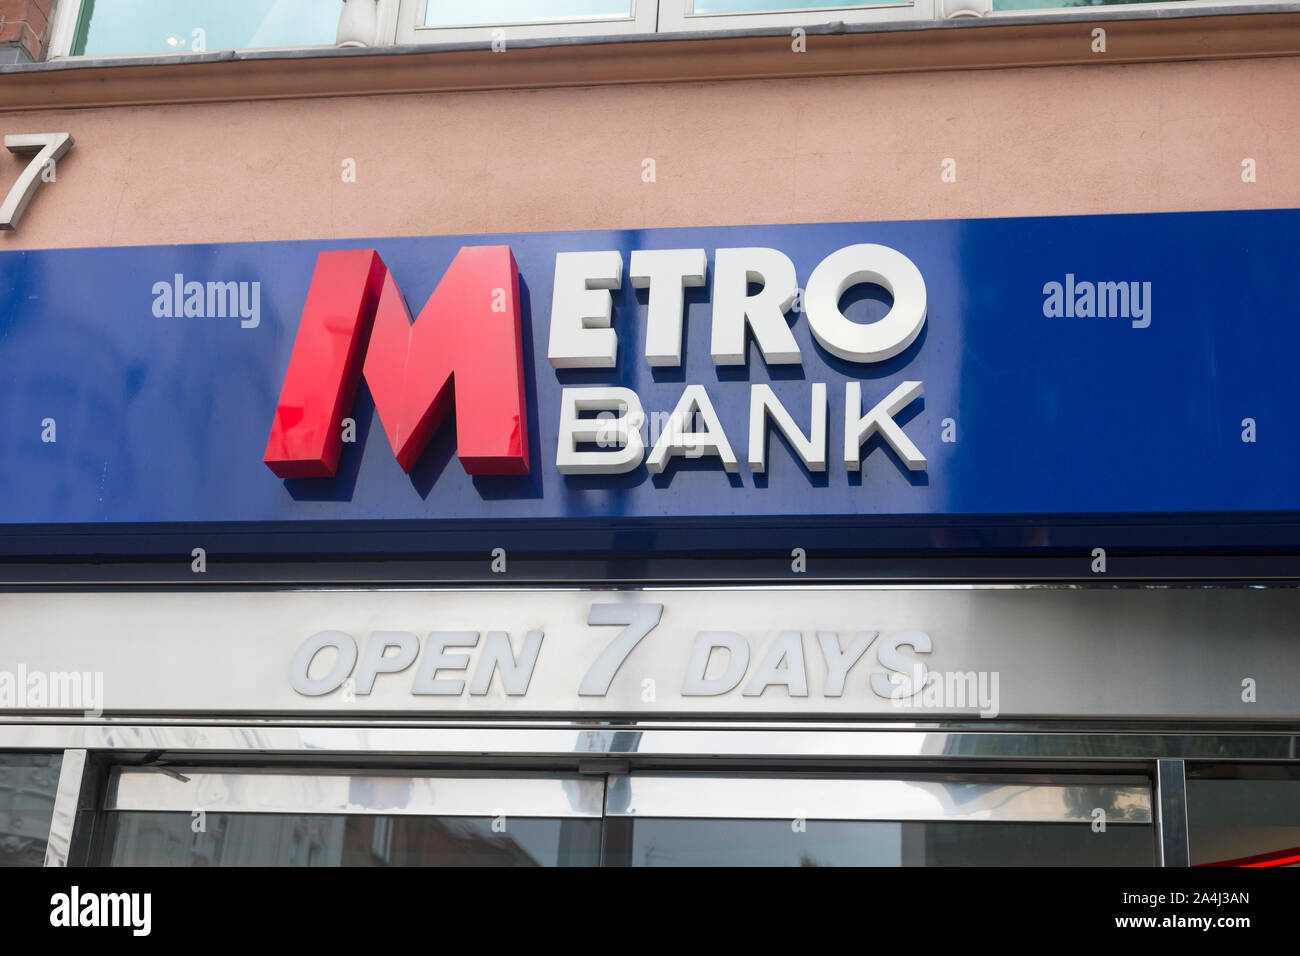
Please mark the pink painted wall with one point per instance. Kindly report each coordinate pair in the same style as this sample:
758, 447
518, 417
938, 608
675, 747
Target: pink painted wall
1097, 139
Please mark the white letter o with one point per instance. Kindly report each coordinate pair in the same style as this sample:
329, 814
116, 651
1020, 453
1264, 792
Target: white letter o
306, 653
847, 267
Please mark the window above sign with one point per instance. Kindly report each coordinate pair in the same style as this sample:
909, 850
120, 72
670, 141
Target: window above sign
116, 27
447, 21
107, 28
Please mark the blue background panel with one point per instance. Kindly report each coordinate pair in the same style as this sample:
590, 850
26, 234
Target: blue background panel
162, 422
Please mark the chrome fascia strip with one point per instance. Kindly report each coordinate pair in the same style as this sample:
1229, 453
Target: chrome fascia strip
1171, 790
659, 742
599, 587
151, 654
773, 797
1006, 726
181, 790
66, 800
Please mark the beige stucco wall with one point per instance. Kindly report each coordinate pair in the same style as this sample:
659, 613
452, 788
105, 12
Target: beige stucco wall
1095, 139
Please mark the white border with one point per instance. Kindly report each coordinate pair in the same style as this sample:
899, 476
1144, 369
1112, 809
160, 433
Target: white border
66, 14
411, 30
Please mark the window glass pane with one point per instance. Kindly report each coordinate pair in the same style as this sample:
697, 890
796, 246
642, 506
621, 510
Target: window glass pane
704, 8
110, 27
640, 841
148, 838
1252, 816
1000, 5
457, 13
27, 786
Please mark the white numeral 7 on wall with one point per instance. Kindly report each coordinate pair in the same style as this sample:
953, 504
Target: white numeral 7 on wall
50, 147
639, 620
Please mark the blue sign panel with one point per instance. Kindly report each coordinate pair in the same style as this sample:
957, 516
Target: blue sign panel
1071, 366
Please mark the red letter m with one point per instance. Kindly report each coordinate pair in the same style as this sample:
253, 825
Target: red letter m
466, 343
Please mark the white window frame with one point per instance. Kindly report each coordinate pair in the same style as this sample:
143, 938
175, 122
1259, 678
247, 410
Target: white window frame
410, 29
400, 21
675, 16
67, 13
1100, 11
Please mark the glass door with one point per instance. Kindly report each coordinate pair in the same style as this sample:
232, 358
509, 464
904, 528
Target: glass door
313, 818
1243, 814
28, 785
285, 818
804, 820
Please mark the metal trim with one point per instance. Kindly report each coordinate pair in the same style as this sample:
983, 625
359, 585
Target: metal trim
181, 790
82, 629
1189, 568
66, 804
650, 742
781, 796
1171, 789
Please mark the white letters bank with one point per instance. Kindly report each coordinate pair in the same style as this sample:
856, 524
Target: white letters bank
582, 336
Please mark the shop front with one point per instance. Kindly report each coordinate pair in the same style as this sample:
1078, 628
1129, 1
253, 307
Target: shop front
438, 455
564, 403
691, 726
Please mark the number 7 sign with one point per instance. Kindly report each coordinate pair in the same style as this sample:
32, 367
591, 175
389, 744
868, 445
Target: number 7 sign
49, 147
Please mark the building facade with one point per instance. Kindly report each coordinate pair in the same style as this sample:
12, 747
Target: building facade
609, 432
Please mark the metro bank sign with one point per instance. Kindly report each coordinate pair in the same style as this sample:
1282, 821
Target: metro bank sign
465, 351
706, 389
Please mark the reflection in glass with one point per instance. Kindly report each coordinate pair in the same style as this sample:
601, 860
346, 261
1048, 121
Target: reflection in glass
1244, 815
28, 783
641, 841
704, 8
113, 27
143, 838
457, 13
